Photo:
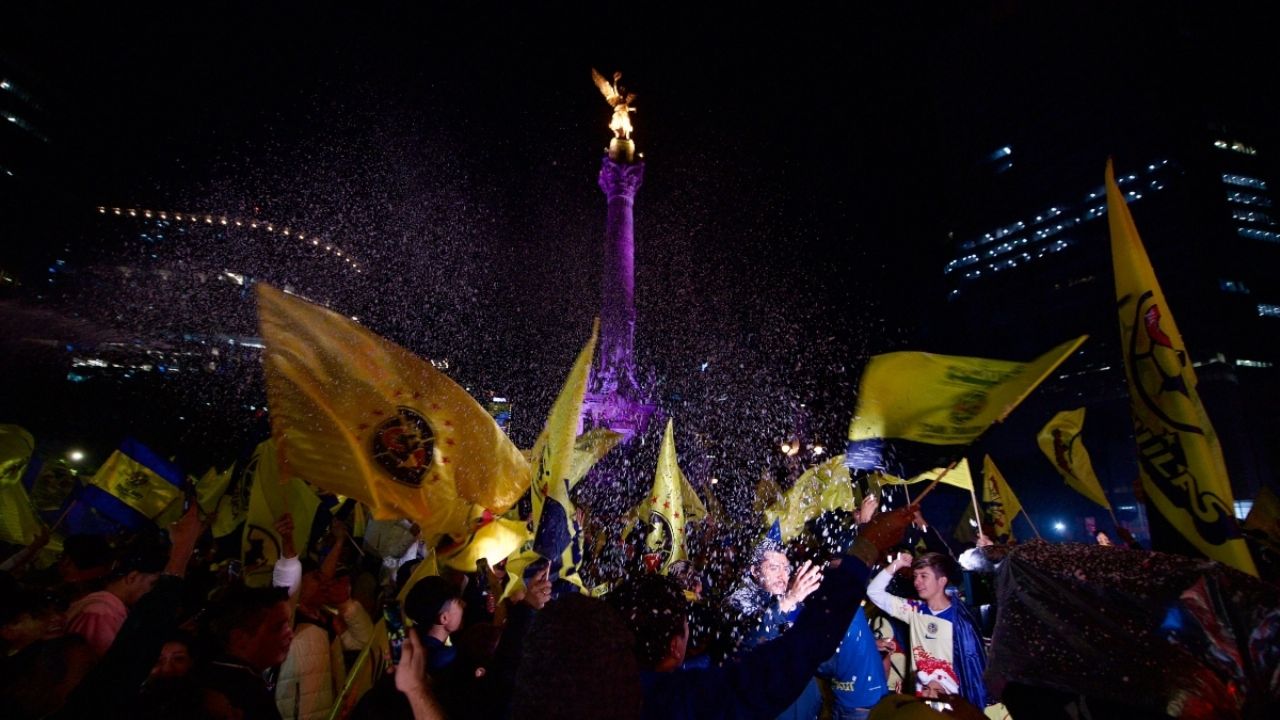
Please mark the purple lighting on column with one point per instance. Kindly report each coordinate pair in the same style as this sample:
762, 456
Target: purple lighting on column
614, 399
619, 181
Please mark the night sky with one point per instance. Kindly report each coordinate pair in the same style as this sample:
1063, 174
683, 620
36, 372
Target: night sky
803, 164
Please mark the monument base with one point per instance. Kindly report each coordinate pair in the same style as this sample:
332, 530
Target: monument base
618, 413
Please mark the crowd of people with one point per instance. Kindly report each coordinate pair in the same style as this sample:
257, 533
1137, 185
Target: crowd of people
860, 617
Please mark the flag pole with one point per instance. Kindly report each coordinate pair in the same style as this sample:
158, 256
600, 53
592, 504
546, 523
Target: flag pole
1027, 515
70, 506
935, 482
977, 511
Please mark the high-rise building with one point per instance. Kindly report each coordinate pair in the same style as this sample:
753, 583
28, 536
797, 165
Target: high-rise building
1029, 265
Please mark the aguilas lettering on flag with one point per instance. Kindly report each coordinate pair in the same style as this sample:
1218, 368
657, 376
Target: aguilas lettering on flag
1180, 461
921, 397
1060, 441
362, 417
556, 538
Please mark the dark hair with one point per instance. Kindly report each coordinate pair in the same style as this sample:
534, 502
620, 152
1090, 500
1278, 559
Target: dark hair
86, 551
243, 608
404, 572
942, 565
22, 601
685, 575
144, 554
427, 598
655, 609
577, 662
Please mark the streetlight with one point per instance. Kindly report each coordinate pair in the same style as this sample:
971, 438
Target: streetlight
75, 456
1060, 526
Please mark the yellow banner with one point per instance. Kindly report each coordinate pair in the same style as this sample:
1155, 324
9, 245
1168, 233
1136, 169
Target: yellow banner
944, 399
556, 537
271, 496
136, 485
18, 522
1180, 461
362, 417
1002, 504
959, 476
1060, 441
819, 489
664, 508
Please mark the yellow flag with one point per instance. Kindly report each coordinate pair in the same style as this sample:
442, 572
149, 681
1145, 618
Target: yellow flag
821, 488
1180, 461
1002, 504
556, 537
493, 542
664, 508
1060, 441
1264, 516
271, 496
209, 491
694, 510
939, 399
132, 475
588, 448
958, 476
767, 494
362, 417
18, 522
967, 529
233, 506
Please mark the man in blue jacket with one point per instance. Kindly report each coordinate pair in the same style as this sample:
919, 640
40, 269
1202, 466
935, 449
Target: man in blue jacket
573, 665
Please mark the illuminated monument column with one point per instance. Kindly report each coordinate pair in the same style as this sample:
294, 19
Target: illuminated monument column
614, 399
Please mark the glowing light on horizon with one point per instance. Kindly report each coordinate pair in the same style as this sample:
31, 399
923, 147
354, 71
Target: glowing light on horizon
209, 219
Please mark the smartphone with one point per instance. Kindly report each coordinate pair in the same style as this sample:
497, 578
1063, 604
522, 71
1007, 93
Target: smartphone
234, 568
395, 629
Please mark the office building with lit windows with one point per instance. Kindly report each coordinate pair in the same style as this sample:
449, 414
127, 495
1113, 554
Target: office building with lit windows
1028, 265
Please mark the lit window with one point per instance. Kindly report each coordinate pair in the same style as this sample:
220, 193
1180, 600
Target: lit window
1253, 363
1242, 508
1245, 198
1236, 146
1233, 286
1265, 310
1254, 216
1255, 234
1244, 181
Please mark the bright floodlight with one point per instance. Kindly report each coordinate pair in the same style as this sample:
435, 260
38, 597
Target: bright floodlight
1060, 526
75, 456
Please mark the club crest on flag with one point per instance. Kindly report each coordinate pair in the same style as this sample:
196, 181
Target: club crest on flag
403, 446
664, 542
